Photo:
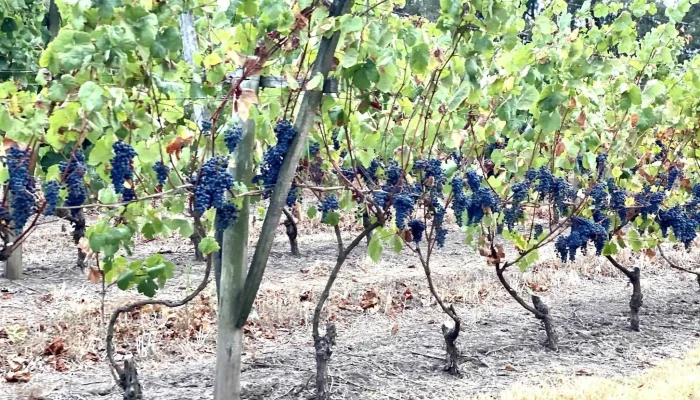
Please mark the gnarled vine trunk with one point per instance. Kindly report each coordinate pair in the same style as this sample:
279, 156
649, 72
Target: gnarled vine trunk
636, 299
323, 346
552, 341
292, 233
452, 356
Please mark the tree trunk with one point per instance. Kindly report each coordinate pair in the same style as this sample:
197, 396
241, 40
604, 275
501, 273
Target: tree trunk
552, 341
13, 264
324, 349
636, 299
234, 270
452, 357
129, 381
195, 238
78, 233
291, 229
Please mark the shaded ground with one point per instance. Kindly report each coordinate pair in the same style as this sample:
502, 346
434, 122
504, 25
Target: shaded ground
391, 350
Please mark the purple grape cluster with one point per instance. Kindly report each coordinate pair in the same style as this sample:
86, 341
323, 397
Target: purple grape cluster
292, 196
432, 168
225, 216
600, 163
684, 228
21, 185
74, 174
515, 213
600, 197
459, 199
161, 172
439, 222
617, 202
599, 217
274, 156
673, 175
329, 204
475, 204
582, 231
206, 128
538, 230
128, 194
649, 201
369, 174
334, 138
314, 149
545, 181
661, 155
51, 196
417, 228
211, 186
122, 169
403, 204
232, 137
393, 175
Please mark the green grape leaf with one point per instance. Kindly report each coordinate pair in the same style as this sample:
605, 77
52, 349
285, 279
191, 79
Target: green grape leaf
184, 226
375, 248
332, 218
609, 249
419, 58
147, 287
208, 245
90, 96
311, 212
396, 243
124, 280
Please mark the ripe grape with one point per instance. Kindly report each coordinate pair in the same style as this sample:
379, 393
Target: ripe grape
128, 194
292, 196
438, 221
206, 128
21, 185
403, 204
600, 162
210, 189
225, 216
328, 204
545, 182
473, 180
684, 228
617, 202
232, 137
51, 197
650, 201
334, 137
432, 168
600, 197
314, 149
417, 228
393, 175
531, 175
161, 172
673, 174
122, 169
561, 247
274, 156
538, 230
73, 174
661, 155
582, 231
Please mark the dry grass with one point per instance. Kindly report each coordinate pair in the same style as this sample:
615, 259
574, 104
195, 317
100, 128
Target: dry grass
675, 379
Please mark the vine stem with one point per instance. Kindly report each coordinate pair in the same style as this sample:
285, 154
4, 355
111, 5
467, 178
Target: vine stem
131, 307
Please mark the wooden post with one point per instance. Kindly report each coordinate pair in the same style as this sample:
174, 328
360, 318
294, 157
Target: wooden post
13, 265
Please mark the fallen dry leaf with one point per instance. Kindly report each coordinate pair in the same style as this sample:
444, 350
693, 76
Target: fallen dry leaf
369, 299
395, 329
581, 120
306, 296
511, 368
55, 348
176, 146
19, 376
584, 372
634, 119
94, 275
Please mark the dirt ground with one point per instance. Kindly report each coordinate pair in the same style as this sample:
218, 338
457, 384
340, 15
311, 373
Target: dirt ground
389, 340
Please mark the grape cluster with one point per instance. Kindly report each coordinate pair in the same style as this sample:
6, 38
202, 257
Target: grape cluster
206, 128
370, 173
582, 231
545, 181
457, 157
617, 201
51, 197
661, 155
439, 222
381, 198
225, 216
314, 149
515, 212
600, 161
475, 204
128, 194
673, 174
161, 172
538, 230
432, 169
459, 199
211, 187
579, 164
393, 175
600, 197
403, 203
292, 196
122, 169
21, 185
417, 228
473, 180
274, 156
232, 137
74, 172
334, 138
684, 228
649, 201
328, 204
531, 175
600, 218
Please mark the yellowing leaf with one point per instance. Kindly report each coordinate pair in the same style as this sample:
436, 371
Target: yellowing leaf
316, 82
245, 102
212, 60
